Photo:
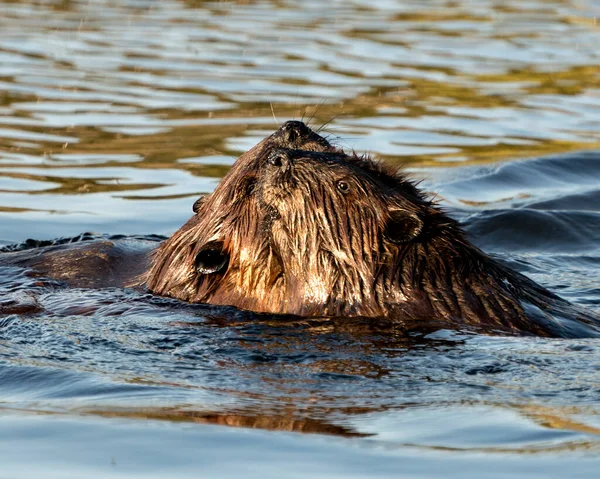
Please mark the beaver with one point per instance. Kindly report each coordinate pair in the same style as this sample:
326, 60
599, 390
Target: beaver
99, 261
191, 264
300, 227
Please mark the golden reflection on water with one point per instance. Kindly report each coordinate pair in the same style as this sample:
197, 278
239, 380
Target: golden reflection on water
428, 86
290, 420
312, 419
322, 421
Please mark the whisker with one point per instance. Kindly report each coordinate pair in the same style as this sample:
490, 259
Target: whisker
273, 112
327, 123
316, 110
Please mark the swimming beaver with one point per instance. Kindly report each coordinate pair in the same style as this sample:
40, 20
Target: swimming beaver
299, 227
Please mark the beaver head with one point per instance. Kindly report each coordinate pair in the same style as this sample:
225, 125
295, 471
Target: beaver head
339, 226
222, 255
297, 226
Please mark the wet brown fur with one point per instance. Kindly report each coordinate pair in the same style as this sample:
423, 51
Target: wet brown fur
299, 241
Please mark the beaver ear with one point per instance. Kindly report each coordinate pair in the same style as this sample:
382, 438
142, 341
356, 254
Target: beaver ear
212, 258
403, 226
198, 203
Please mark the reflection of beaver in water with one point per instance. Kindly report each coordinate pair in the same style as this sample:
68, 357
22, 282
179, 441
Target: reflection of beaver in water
299, 227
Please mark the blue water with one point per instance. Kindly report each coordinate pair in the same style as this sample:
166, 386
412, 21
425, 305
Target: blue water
115, 116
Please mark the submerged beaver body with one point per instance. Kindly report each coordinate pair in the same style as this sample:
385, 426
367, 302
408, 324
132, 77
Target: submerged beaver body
299, 227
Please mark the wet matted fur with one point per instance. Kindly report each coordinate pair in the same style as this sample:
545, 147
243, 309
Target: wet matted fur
299, 227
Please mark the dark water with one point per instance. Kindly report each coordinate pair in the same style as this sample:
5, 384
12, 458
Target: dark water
115, 116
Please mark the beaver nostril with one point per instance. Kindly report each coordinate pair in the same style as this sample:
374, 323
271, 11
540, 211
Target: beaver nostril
289, 135
293, 130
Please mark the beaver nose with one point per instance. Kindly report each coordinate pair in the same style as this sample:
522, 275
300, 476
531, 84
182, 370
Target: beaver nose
279, 158
293, 130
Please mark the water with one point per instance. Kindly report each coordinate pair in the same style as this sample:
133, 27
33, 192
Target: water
116, 115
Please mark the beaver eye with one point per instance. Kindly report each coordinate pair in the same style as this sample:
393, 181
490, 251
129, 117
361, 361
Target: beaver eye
343, 186
198, 203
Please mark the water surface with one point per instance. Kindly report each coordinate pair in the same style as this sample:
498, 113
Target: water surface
116, 115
